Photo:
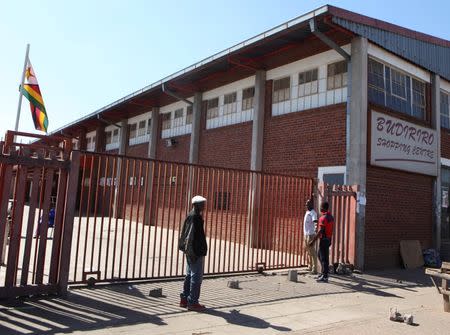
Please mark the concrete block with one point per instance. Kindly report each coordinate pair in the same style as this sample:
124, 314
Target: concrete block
156, 292
233, 284
292, 275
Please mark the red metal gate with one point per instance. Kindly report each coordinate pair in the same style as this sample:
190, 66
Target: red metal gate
35, 182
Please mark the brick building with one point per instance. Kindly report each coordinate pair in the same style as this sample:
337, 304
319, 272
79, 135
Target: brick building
332, 95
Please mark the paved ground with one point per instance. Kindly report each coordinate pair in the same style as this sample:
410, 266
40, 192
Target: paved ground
264, 305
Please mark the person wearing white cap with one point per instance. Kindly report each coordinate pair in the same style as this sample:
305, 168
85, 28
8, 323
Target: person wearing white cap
193, 243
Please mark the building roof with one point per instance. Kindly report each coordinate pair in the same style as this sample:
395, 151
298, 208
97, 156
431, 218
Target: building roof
280, 45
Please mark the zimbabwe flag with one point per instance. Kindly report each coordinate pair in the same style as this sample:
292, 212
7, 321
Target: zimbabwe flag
32, 92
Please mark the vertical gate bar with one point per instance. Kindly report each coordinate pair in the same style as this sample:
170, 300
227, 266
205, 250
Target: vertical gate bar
291, 222
239, 216
214, 210
277, 216
69, 214
234, 207
80, 214
161, 233
299, 218
96, 195
57, 225
229, 213
169, 203
36, 243
247, 237
138, 182
132, 180
186, 205
347, 228
156, 218
5, 189
182, 202
16, 229
124, 216
103, 214
211, 216
110, 206
225, 212
88, 211
255, 220
270, 205
150, 213
31, 218
343, 223
283, 209
222, 184
266, 224
174, 253
118, 185
43, 227
144, 212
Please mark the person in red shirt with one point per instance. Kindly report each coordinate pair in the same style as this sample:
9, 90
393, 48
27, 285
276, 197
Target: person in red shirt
324, 233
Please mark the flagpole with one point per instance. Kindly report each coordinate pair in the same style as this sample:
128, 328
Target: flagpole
16, 128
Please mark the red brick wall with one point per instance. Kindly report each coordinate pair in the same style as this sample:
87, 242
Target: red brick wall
138, 150
228, 147
176, 153
399, 207
298, 143
445, 143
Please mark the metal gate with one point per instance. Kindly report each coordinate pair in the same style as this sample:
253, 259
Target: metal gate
35, 182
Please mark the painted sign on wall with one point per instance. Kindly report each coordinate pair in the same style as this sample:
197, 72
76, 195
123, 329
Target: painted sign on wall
402, 145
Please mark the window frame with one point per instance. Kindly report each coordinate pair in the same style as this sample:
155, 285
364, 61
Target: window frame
248, 101
212, 112
286, 91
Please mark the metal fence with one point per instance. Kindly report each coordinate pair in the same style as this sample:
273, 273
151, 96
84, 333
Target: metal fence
131, 210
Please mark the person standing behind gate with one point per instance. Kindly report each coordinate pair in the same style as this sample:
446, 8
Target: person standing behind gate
309, 231
193, 243
324, 233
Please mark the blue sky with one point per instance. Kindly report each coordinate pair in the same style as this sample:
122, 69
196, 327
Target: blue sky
87, 54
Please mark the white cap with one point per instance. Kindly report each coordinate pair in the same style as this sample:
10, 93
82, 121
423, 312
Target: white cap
198, 199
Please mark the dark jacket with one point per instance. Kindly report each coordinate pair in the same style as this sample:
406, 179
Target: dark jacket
193, 242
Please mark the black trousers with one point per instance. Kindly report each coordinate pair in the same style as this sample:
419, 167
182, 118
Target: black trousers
324, 255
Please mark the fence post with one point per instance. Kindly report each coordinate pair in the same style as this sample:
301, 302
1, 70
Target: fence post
72, 185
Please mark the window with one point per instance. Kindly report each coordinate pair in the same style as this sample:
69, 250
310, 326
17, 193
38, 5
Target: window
337, 75
108, 137
149, 126
281, 90
189, 110
229, 103
178, 119
90, 143
247, 98
308, 83
166, 121
396, 90
115, 136
212, 109
418, 101
141, 128
398, 84
222, 200
445, 110
133, 128
332, 174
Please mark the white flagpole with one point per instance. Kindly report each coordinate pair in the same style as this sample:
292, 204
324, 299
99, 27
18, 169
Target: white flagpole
21, 85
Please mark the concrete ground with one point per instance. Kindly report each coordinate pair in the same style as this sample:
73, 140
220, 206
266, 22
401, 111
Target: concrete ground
265, 304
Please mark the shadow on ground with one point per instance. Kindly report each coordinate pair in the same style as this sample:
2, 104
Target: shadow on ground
121, 305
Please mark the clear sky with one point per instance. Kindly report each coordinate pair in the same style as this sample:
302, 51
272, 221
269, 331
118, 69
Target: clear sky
89, 53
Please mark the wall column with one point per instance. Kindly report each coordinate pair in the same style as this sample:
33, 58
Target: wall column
256, 234
195, 142
356, 168
436, 124
149, 217
120, 178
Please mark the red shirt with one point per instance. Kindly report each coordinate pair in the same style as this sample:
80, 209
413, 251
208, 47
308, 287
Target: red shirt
326, 223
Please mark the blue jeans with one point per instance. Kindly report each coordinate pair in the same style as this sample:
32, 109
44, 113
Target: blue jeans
193, 280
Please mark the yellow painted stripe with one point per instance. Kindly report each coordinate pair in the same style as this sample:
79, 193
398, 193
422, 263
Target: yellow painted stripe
34, 94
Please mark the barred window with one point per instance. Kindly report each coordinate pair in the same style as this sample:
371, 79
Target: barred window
376, 75
337, 75
189, 111
149, 126
212, 108
281, 90
141, 128
108, 135
308, 83
115, 136
229, 103
178, 118
166, 121
398, 84
418, 101
247, 98
133, 130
